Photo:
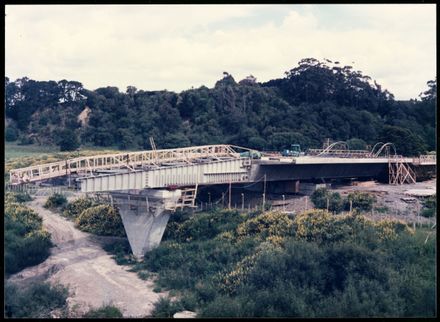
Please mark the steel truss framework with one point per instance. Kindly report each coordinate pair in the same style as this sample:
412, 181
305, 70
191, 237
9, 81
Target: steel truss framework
130, 160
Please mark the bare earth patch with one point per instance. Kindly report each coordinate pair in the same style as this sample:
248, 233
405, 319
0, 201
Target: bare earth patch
93, 277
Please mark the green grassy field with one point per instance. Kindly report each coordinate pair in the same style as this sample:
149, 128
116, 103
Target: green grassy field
14, 151
19, 156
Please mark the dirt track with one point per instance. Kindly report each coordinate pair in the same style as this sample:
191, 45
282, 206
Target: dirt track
93, 277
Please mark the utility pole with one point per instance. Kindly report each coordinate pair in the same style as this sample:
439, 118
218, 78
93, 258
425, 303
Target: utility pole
328, 203
242, 201
223, 199
284, 204
230, 190
264, 193
351, 206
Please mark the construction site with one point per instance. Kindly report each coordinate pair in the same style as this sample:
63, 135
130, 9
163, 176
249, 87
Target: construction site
148, 186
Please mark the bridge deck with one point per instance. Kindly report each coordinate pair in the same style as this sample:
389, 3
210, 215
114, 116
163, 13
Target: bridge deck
209, 164
130, 160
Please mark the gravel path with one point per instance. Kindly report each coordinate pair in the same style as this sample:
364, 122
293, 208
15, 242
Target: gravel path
93, 277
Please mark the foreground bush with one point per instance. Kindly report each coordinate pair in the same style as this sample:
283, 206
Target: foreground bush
106, 311
55, 201
76, 207
362, 201
266, 225
101, 220
165, 308
35, 301
19, 197
429, 207
321, 196
202, 226
315, 265
26, 243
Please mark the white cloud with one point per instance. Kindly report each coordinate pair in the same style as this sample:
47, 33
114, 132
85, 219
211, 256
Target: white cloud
176, 47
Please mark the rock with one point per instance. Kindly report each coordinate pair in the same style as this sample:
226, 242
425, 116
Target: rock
185, 315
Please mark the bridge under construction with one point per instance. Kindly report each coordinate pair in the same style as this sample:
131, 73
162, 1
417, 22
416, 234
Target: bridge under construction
147, 186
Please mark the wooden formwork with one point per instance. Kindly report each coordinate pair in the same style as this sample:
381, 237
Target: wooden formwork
400, 172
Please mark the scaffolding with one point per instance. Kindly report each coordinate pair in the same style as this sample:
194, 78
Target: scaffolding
400, 172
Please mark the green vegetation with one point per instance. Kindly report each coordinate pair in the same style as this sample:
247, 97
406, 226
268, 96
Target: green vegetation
361, 201
15, 151
101, 220
18, 197
315, 100
37, 300
76, 207
165, 308
93, 217
321, 196
429, 207
269, 264
56, 202
26, 243
106, 311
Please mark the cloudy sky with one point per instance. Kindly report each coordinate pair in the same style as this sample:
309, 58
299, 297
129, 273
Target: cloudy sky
176, 47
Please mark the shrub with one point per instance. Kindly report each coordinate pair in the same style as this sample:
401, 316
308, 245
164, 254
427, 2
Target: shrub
55, 201
165, 308
26, 244
320, 197
203, 226
266, 224
101, 220
105, 311
21, 219
362, 201
429, 207
76, 207
314, 225
19, 197
11, 134
35, 301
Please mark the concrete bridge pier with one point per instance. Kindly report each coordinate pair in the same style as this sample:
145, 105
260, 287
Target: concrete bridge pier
145, 216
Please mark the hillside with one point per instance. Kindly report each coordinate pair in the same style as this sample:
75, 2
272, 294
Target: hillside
314, 101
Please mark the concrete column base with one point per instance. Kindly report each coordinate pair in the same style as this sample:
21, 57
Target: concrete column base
145, 217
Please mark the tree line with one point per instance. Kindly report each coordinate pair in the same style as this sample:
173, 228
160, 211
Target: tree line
313, 101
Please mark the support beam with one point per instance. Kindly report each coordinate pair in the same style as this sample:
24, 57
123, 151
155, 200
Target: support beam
145, 217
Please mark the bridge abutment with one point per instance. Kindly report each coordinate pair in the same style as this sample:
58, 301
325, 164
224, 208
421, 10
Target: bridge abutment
145, 217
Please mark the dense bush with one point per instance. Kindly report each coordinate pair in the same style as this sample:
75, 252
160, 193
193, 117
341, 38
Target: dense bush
101, 220
203, 226
11, 134
26, 243
76, 207
265, 225
429, 207
19, 197
55, 201
328, 100
165, 308
322, 196
362, 201
316, 265
35, 301
106, 311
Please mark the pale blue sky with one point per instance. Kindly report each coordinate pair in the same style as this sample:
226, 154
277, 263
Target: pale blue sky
178, 47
